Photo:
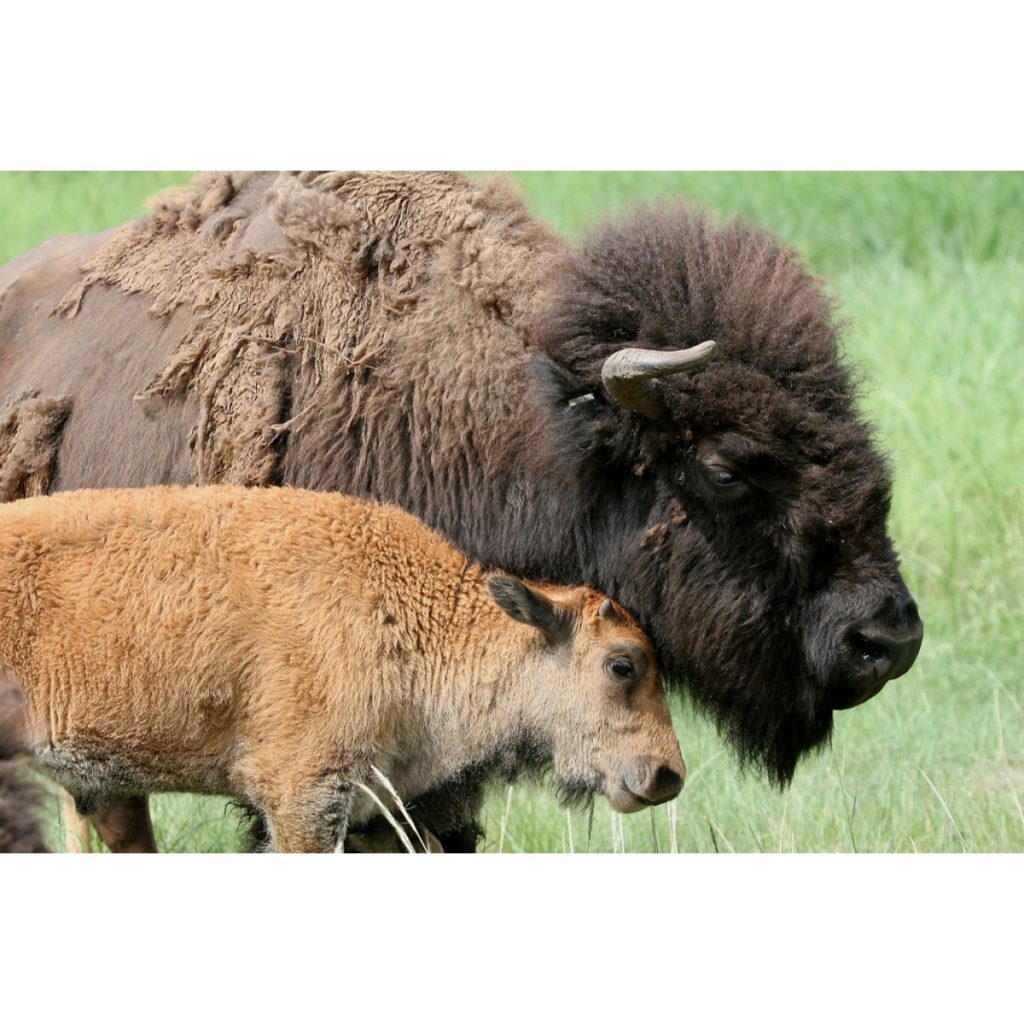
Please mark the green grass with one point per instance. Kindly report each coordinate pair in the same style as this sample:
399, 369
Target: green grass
930, 271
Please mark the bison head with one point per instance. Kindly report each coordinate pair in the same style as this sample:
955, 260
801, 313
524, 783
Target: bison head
695, 376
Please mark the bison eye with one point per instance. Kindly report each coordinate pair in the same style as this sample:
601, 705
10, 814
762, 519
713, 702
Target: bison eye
722, 477
622, 668
724, 480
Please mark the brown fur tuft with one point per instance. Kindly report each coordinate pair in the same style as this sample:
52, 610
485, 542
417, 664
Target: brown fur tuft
30, 429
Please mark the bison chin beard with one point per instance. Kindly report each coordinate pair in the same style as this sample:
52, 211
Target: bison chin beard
743, 661
767, 739
771, 709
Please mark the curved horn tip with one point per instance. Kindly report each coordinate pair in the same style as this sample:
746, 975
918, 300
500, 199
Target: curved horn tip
648, 363
628, 374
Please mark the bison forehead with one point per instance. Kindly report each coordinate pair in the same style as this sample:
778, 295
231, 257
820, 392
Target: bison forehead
669, 277
767, 406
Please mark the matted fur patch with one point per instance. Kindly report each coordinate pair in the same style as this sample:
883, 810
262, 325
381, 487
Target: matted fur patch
30, 430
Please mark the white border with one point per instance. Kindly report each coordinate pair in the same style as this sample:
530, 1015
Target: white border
530, 85
787, 937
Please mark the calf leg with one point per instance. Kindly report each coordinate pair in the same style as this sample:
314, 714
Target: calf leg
126, 827
315, 822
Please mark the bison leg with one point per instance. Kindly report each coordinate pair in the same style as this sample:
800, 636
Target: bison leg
462, 840
379, 836
126, 827
452, 813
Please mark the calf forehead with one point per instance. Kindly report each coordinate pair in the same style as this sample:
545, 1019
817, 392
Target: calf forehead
622, 629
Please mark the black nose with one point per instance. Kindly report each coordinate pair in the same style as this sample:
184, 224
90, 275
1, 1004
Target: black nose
881, 648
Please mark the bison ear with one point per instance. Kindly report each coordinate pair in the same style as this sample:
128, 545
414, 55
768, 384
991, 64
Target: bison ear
531, 607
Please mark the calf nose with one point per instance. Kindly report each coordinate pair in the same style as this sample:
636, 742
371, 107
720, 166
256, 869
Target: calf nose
665, 785
653, 782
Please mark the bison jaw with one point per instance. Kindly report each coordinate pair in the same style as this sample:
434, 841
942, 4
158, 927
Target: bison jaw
847, 698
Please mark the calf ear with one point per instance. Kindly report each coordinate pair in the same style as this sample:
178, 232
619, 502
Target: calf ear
529, 606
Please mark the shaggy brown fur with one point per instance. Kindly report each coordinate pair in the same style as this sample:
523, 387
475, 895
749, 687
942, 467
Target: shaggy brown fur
325, 269
277, 645
419, 337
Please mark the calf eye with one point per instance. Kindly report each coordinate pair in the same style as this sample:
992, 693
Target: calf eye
622, 668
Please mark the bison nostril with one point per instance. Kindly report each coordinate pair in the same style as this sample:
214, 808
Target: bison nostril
867, 650
883, 651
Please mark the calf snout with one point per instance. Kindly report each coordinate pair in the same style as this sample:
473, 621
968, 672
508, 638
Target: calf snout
647, 782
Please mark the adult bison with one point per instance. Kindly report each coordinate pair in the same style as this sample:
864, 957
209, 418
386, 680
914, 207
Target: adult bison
555, 411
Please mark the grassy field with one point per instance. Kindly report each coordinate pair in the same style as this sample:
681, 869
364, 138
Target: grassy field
930, 271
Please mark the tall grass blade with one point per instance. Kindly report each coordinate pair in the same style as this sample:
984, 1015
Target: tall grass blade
386, 783
945, 807
846, 803
753, 835
722, 836
389, 817
504, 819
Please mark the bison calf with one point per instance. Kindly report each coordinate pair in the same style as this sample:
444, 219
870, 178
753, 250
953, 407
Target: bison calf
279, 645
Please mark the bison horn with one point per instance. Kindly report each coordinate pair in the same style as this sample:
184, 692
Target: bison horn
630, 374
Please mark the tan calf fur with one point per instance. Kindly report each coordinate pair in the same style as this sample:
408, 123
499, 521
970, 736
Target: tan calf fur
273, 645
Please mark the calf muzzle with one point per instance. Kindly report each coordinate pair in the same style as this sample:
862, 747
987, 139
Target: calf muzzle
646, 782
